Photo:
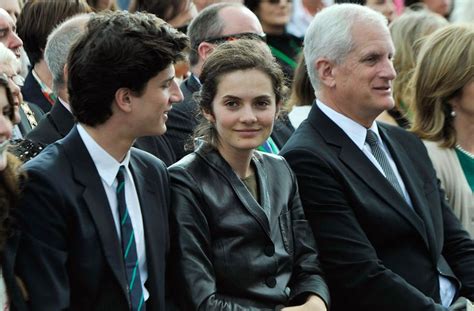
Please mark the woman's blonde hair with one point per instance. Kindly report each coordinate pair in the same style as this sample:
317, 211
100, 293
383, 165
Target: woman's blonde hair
407, 31
302, 92
444, 66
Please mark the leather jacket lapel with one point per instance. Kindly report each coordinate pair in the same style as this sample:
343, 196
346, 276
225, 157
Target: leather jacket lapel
216, 161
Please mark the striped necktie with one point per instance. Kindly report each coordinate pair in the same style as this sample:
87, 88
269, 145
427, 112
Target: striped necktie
129, 248
380, 156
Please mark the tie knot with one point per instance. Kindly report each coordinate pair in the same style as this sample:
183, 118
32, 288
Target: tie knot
121, 174
371, 138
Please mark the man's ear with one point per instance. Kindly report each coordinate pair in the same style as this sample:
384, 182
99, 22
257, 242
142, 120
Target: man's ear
65, 74
325, 70
123, 99
205, 49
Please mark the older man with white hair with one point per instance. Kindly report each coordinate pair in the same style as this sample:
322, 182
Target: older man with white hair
387, 238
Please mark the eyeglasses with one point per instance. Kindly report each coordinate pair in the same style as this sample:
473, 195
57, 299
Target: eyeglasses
245, 35
276, 1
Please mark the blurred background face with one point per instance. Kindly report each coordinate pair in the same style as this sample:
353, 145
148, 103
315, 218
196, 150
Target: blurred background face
441, 7
186, 13
8, 34
15, 82
5, 126
12, 7
385, 7
104, 4
274, 13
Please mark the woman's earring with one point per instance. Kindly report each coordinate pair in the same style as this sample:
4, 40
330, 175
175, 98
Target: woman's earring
453, 113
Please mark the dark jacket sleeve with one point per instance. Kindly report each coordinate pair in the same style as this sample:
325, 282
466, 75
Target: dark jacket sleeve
42, 255
348, 258
307, 275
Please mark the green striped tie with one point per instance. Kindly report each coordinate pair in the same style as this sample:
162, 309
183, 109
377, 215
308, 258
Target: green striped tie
129, 248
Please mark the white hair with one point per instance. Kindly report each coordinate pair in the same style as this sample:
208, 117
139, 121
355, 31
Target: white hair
330, 34
59, 43
8, 57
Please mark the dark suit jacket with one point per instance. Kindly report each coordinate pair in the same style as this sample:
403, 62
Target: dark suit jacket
15, 295
183, 118
232, 255
70, 256
31, 92
378, 253
55, 125
159, 146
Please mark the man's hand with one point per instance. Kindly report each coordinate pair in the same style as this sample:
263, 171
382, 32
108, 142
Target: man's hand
313, 303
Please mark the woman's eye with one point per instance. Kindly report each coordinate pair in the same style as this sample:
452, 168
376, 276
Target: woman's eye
231, 104
262, 104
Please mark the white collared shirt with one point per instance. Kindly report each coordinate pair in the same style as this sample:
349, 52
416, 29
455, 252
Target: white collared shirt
357, 134
108, 168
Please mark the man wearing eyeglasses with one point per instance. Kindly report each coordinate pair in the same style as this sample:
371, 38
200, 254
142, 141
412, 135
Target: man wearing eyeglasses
214, 25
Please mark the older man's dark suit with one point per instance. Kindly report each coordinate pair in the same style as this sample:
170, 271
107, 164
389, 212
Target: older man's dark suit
70, 256
182, 119
32, 93
378, 253
55, 125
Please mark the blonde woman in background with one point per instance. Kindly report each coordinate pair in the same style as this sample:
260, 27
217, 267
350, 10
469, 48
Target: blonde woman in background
302, 95
406, 32
443, 99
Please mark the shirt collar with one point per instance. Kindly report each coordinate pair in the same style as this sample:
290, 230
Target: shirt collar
193, 76
65, 104
354, 130
106, 165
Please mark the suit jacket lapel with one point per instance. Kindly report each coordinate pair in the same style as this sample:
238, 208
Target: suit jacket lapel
413, 184
151, 217
358, 163
214, 159
62, 119
96, 200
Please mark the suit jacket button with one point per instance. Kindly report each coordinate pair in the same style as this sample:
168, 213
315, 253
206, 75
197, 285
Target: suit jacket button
271, 282
269, 250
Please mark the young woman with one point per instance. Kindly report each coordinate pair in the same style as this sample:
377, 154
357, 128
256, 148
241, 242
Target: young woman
242, 241
11, 295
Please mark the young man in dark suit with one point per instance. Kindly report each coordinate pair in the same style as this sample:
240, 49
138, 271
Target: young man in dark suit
387, 238
94, 210
57, 123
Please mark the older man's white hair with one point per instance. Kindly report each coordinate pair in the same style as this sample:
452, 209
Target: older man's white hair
330, 34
